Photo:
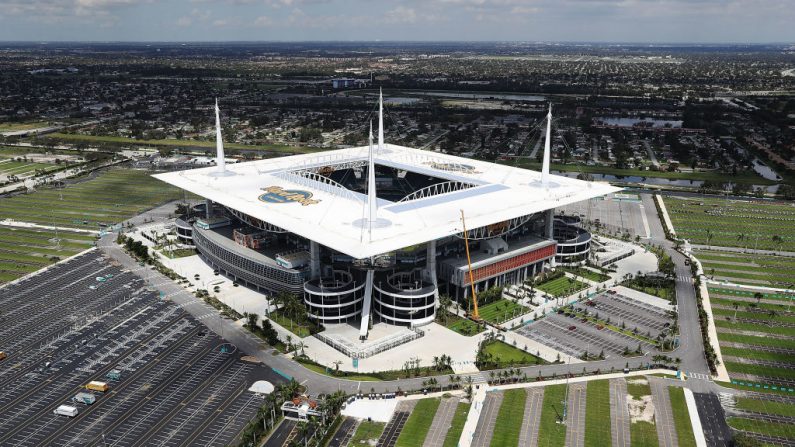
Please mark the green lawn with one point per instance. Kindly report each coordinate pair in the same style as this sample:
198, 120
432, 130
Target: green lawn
758, 355
14, 126
501, 310
550, 432
562, 286
418, 424
729, 293
509, 419
758, 341
684, 429
733, 223
457, 426
641, 433
302, 328
746, 177
765, 406
112, 196
587, 274
504, 355
367, 434
25, 250
753, 327
181, 143
760, 370
597, 432
766, 428
463, 326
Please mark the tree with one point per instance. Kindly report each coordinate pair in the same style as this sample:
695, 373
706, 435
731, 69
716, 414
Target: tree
252, 321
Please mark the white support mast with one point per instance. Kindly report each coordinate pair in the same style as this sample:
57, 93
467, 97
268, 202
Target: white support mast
547, 144
380, 122
219, 142
371, 194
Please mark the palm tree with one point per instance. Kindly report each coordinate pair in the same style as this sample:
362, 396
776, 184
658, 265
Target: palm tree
337, 364
778, 240
710, 235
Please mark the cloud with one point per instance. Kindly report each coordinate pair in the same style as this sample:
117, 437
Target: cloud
263, 21
401, 14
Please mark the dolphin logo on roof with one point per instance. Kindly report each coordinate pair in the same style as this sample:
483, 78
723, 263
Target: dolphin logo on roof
277, 194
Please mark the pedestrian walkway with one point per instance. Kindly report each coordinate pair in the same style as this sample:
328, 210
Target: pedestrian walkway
488, 419
528, 436
619, 414
575, 419
441, 423
666, 430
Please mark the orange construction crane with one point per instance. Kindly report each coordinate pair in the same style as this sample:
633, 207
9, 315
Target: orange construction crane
475, 314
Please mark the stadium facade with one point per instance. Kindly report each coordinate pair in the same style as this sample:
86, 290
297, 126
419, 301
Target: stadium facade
374, 233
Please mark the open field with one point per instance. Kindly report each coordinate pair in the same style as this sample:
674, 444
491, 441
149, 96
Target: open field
597, 432
367, 434
418, 423
562, 286
747, 224
26, 250
755, 337
642, 432
765, 406
111, 197
745, 177
751, 269
457, 425
550, 432
501, 310
777, 429
509, 419
282, 148
14, 127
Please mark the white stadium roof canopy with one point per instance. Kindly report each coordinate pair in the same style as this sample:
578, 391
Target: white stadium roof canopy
273, 190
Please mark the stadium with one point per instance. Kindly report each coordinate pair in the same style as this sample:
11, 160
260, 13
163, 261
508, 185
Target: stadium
374, 234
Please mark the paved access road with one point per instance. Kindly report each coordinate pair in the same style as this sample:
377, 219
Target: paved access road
713, 420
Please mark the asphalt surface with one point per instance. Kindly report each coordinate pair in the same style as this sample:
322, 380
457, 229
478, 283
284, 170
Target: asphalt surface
395, 425
713, 420
281, 434
344, 433
488, 419
663, 415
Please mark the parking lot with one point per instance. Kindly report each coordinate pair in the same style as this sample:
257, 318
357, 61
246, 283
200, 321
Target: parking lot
623, 310
574, 337
178, 383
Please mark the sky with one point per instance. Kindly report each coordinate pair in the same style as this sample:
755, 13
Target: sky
652, 21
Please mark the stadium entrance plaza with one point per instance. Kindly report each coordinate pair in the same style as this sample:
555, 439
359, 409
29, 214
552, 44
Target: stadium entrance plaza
437, 339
